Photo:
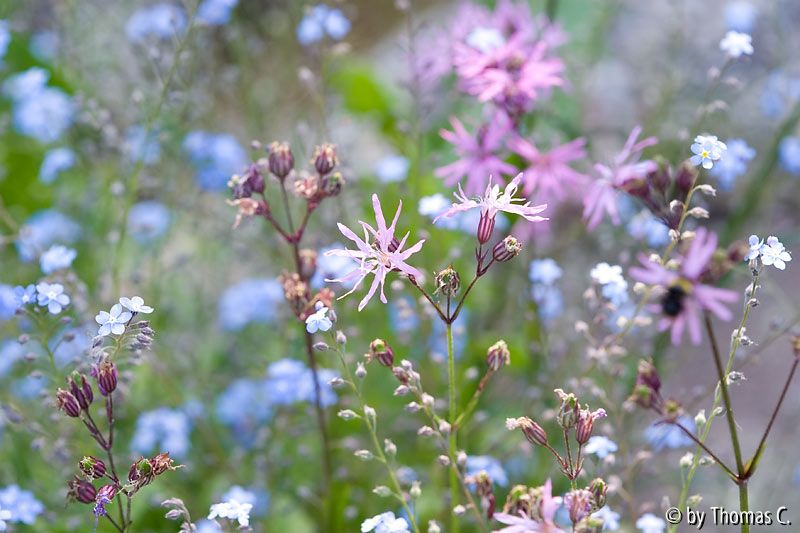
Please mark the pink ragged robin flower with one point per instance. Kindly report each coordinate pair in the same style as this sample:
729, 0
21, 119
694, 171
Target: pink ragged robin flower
478, 154
379, 253
686, 296
549, 175
522, 524
493, 201
601, 197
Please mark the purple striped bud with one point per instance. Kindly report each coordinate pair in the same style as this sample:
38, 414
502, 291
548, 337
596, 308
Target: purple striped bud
325, 159
486, 227
380, 350
92, 467
81, 491
281, 160
68, 403
81, 389
106, 375
506, 249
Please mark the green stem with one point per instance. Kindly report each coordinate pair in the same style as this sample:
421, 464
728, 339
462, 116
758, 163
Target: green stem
451, 438
744, 504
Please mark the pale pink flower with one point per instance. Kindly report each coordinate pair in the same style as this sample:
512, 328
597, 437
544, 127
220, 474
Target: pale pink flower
379, 253
686, 296
549, 175
601, 197
493, 201
522, 524
478, 154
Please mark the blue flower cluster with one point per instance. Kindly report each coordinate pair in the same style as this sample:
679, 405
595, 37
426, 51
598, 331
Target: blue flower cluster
39, 111
249, 301
148, 220
789, 155
215, 156
661, 436
44, 228
55, 162
57, 257
321, 21
162, 429
22, 504
543, 274
733, 164
488, 464
159, 21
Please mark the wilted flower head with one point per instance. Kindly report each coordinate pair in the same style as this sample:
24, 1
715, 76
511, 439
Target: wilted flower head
379, 253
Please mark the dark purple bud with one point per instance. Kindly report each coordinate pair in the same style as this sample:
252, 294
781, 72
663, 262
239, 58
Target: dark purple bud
648, 375
81, 491
532, 431
325, 158
281, 160
77, 391
92, 467
584, 427
254, 180
106, 374
685, 177
380, 350
68, 403
498, 355
332, 184
485, 227
506, 249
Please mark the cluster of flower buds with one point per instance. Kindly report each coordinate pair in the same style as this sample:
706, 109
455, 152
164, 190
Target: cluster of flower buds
78, 398
581, 503
573, 418
143, 337
484, 488
144, 471
647, 392
379, 350
247, 184
664, 191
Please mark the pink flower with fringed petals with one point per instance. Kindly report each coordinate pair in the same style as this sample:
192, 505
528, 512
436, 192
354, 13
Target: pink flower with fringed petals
549, 174
601, 197
379, 253
686, 295
493, 201
522, 524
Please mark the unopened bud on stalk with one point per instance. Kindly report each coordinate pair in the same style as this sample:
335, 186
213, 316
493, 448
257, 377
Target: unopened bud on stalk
498, 355
92, 467
532, 431
364, 455
568, 412
443, 460
332, 184
81, 491
485, 227
416, 490
584, 427
380, 350
383, 491
389, 447
81, 389
325, 158
461, 458
448, 282
281, 160
361, 370
599, 490
68, 403
106, 374
444, 427
506, 249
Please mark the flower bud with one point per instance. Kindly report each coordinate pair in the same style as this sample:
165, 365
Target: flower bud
648, 375
584, 427
433, 527
364, 455
92, 467
685, 176
498, 355
506, 249
568, 412
281, 160
532, 431
416, 490
308, 263
325, 158
485, 227
379, 349
81, 389
361, 370
68, 403
106, 374
389, 447
443, 460
81, 491
332, 184
348, 414
579, 504
599, 490
383, 491
448, 282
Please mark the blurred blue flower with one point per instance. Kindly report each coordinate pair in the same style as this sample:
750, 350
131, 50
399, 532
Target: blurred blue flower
644, 226
44, 45
215, 12
10, 352
5, 38
148, 220
44, 228
249, 301
789, 154
493, 467
24, 506
161, 21
290, 381
320, 21
258, 498
25, 295
57, 257
434, 205
545, 271
741, 16
610, 518
22, 84
661, 436
781, 92
44, 115
207, 526
142, 145
403, 314
549, 301
613, 286
601, 446
70, 346
162, 429
29, 387
215, 156
244, 406
392, 168
56, 161
8, 302
332, 267
733, 164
